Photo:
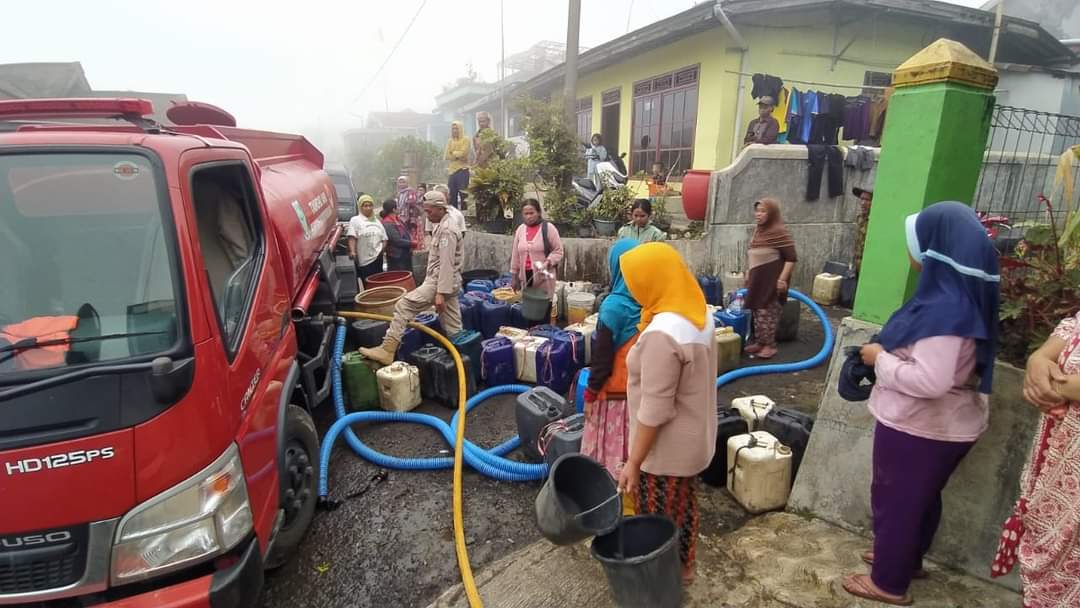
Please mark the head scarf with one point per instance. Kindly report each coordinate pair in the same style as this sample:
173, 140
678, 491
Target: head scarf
773, 233
619, 312
461, 129
957, 293
657, 277
365, 198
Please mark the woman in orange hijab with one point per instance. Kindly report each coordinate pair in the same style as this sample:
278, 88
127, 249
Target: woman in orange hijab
671, 391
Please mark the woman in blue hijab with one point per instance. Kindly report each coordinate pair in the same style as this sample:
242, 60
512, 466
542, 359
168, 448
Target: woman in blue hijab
606, 415
934, 365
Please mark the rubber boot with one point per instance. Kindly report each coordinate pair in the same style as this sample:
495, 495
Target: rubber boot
382, 354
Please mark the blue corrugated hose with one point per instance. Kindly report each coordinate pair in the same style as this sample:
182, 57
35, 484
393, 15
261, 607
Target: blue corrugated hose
489, 462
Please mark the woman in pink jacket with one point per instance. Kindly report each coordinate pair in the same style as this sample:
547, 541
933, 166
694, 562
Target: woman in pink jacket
537, 250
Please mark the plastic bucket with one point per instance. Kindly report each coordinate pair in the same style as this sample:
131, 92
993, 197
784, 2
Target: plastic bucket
646, 572
578, 500
393, 278
578, 306
379, 301
505, 294
534, 303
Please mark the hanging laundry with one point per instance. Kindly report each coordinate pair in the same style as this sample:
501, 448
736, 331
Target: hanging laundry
808, 115
780, 112
878, 107
823, 158
794, 117
860, 158
857, 119
766, 86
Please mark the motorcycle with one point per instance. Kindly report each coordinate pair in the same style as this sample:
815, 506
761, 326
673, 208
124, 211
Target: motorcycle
995, 225
611, 172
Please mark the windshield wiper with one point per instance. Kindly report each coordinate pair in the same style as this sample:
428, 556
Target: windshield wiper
12, 350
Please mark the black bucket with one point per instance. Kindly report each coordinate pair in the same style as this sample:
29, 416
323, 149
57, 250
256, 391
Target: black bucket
578, 500
645, 571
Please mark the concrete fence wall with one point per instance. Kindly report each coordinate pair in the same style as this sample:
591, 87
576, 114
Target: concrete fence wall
823, 229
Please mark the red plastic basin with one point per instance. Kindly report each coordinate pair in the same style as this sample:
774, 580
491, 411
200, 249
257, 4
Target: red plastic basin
394, 278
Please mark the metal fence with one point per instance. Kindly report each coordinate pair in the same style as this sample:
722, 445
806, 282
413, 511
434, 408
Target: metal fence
1022, 153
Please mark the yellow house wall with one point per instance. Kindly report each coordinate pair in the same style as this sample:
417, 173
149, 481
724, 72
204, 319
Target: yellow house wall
784, 47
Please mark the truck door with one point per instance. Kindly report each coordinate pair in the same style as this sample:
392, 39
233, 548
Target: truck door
244, 277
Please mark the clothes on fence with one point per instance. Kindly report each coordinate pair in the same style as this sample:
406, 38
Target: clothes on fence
860, 158
808, 110
780, 112
794, 116
766, 86
857, 119
878, 107
824, 158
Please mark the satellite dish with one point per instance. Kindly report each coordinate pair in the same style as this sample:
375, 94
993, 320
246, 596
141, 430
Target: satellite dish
198, 113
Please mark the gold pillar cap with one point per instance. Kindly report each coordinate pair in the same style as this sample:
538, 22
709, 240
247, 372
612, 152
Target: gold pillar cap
946, 61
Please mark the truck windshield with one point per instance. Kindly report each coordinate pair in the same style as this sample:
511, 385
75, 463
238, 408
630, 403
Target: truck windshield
84, 261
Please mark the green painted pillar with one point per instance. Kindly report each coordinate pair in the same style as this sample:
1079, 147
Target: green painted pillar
932, 150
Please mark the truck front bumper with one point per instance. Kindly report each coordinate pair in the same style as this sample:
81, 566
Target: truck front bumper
237, 586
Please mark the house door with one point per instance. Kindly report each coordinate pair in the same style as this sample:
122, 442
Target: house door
609, 120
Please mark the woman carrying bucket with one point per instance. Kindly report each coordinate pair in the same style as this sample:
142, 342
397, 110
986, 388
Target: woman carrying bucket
536, 252
671, 391
606, 417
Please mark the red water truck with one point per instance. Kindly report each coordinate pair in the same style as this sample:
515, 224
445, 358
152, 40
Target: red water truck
161, 349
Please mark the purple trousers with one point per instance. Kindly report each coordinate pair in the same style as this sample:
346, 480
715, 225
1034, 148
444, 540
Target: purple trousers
909, 474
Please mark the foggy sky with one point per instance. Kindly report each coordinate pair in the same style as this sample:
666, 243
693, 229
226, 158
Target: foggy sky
301, 66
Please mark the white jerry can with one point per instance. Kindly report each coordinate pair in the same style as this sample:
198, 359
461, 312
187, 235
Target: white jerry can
399, 387
759, 477
753, 409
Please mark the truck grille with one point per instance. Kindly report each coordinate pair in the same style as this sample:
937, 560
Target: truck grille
28, 564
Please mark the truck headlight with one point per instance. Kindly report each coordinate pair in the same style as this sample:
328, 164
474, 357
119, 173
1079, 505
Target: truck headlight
195, 520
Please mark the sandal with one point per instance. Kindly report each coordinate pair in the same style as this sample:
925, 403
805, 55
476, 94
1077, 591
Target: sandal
753, 348
687, 577
860, 585
766, 352
921, 573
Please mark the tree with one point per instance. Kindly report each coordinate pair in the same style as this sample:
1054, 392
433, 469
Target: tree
375, 172
556, 156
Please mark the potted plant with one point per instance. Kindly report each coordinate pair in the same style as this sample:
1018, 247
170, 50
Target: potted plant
609, 213
495, 188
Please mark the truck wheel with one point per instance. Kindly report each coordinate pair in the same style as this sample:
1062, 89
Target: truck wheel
299, 491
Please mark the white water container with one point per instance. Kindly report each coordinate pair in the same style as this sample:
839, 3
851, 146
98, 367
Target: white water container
578, 287
399, 387
753, 409
593, 319
759, 473
827, 288
586, 332
579, 305
732, 281
558, 302
525, 357
512, 333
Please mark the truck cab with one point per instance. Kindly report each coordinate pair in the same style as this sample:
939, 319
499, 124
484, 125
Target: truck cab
161, 350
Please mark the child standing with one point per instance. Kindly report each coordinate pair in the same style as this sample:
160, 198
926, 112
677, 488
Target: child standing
934, 367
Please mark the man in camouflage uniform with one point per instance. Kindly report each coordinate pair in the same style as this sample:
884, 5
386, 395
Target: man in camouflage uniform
862, 219
440, 288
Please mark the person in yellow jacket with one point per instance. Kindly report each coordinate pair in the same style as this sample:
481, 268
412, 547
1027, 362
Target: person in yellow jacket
457, 155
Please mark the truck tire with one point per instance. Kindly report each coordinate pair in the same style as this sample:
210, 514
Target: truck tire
299, 485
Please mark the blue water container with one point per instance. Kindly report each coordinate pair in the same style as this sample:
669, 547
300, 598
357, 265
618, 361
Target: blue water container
480, 285
480, 296
517, 319
470, 313
493, 315
468, 344
712, 288
431, 321
411, 341
555, 365
497, 361
579, 389
545, 331
738, 321
577, 348
503, 282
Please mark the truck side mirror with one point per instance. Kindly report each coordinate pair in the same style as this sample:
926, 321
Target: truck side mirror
169, 379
